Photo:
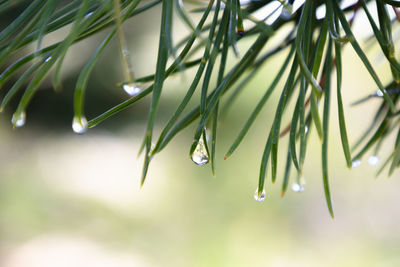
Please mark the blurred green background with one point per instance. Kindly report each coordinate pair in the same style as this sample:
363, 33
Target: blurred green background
69, 200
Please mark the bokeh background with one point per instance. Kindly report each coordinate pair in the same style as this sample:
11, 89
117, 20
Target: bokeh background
71, 200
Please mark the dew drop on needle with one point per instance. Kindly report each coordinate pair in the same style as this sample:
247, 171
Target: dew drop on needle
373, 160
287, 11
356, 163
298, 188
18, 119
200, 155
259, 196
79, 125
132, 89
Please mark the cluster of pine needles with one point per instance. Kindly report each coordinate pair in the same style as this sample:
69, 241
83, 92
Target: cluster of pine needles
313, 54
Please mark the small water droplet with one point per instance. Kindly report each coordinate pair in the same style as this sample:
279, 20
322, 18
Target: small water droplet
132, 89
306, 129
79, 125
373, 160
259, 197
18, 119
150, 154
287, 11
379, 93
356, 163
47, 59
125, 52
298, 188
88, 15
200, 155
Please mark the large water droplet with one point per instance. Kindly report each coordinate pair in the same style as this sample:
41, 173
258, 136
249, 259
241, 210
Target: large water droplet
306, 129
79, 125
132, 89
259, 196
373, 160
200, 156
18, 119
298, 188
356, 163
287, 11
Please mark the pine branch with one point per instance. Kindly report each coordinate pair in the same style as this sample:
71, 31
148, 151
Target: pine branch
310, 43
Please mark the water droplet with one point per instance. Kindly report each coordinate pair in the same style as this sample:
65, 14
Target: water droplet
132, 89
306, 129
373, 160
200, 155
379, 93
287, 11
259, 197
298, 188
88, 15
79, 125
125, 52
47, 59
356, 163
18, 119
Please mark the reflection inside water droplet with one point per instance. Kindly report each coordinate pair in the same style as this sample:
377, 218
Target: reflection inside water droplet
373, 160
356, 163
259, 196
200, 155
79, 125
18, 119
132, 89
298, 188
